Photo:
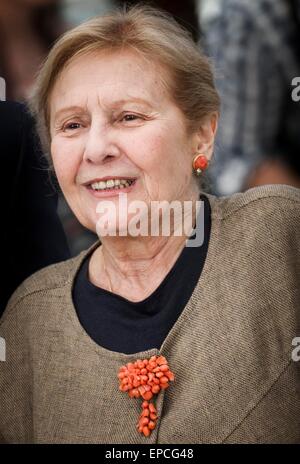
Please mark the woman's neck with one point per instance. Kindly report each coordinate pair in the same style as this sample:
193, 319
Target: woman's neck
134, 267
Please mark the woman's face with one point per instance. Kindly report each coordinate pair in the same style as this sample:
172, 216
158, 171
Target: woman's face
112, 118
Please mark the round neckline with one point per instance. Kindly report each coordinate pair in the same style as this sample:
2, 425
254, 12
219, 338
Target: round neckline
123, 357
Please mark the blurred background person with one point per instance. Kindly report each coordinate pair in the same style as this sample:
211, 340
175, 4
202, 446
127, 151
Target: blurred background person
31, 235
28, 28
255, 47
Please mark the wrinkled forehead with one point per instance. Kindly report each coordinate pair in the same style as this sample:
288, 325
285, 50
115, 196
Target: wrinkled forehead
109, 77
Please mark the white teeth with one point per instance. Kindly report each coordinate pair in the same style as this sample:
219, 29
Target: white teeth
111, 183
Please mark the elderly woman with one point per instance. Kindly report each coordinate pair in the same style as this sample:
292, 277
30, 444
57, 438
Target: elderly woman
150, 337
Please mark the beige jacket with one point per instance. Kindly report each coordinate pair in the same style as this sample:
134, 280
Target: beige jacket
230, 349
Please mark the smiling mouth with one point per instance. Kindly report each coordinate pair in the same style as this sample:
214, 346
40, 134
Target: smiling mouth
111, 184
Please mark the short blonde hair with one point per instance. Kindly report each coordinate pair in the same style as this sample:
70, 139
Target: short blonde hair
152, 33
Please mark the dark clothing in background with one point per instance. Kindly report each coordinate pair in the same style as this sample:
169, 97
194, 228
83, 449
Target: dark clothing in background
31, 235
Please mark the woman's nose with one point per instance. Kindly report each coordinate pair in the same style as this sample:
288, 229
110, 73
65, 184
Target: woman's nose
100, 146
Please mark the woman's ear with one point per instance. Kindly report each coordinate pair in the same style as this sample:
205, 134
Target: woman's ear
205, 136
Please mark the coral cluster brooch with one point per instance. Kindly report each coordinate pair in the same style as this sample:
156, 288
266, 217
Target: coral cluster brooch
145, 378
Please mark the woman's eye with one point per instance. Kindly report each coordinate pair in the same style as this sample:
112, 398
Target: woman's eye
130, 117
72, 126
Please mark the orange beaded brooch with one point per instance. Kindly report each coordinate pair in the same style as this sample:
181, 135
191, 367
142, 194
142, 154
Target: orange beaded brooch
145, 378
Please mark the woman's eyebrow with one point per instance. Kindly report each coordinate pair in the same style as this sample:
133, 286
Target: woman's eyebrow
67, 109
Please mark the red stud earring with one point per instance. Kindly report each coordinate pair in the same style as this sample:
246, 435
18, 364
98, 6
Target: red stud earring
200, 163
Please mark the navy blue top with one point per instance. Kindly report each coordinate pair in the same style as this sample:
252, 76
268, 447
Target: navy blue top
120, 325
